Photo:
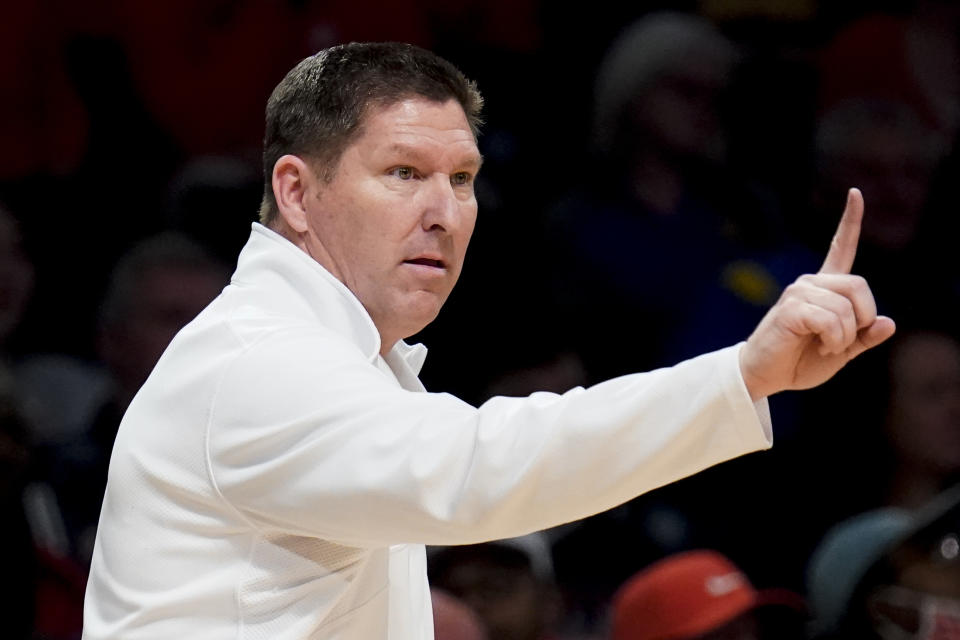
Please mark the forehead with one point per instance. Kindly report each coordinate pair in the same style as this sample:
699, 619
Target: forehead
418, 125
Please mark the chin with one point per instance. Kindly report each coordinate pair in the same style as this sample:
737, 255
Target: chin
421, 314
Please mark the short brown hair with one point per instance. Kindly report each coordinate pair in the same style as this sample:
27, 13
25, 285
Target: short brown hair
318, 108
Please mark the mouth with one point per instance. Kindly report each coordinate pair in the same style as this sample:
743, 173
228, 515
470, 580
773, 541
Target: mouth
427, 262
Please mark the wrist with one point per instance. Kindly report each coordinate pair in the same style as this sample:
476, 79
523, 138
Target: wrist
756, 386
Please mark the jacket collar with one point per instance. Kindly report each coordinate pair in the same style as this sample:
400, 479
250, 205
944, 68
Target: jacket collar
296, 284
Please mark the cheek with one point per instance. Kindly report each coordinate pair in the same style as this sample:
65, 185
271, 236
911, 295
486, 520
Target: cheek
461, 240
363, 235
469, 223
386, 216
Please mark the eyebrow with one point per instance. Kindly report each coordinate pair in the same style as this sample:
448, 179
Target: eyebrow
398, 147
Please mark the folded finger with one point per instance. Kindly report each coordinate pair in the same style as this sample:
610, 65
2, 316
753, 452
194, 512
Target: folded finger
842, 308
854, 288
825, 325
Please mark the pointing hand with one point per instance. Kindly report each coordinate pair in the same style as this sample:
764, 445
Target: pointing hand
820, 323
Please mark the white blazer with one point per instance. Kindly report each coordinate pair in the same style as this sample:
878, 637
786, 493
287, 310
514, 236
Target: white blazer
276, 479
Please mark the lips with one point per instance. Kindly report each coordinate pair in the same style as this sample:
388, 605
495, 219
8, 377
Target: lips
427, 261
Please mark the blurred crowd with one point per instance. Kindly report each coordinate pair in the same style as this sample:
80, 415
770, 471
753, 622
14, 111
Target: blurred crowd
655, 173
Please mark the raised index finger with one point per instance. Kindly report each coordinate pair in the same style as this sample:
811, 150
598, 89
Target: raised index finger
843, 247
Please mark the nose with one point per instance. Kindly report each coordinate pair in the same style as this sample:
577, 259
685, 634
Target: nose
441, 207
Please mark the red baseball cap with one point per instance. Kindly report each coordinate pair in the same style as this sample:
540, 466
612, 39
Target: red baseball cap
684, 595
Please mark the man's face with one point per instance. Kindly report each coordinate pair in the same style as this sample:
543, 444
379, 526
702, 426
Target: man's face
394, 222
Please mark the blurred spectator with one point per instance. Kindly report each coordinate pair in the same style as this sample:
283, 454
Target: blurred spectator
657, 99
889, 107
884, 148
910, 590
42, 591
923, 416
509, 583
913, 57
156, 288
701, 595
915, 588
454, 620
902, 431
912, 389
657, 213
842, 559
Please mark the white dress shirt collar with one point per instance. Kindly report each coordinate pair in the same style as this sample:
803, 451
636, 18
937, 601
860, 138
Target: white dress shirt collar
270, 261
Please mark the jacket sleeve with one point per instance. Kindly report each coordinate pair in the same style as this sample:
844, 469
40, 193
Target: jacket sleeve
307, 437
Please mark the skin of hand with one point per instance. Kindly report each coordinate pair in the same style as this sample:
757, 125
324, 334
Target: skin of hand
820, 323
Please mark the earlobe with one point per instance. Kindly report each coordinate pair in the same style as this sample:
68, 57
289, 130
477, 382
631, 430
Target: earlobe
291, 176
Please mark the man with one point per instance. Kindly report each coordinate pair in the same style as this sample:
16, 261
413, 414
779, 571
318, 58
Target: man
280, 471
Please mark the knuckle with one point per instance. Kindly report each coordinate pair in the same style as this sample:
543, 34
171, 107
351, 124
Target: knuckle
792, 303
848, 308
859, 284
823, 318
797, 287
788, 292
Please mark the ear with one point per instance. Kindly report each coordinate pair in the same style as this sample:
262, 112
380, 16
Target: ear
292, 179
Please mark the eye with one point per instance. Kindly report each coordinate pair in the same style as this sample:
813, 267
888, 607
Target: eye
404, 173
460, 178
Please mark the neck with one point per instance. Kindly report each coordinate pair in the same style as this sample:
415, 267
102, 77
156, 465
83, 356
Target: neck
320, 255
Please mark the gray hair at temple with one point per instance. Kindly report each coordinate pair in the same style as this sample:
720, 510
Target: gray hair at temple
317, 110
